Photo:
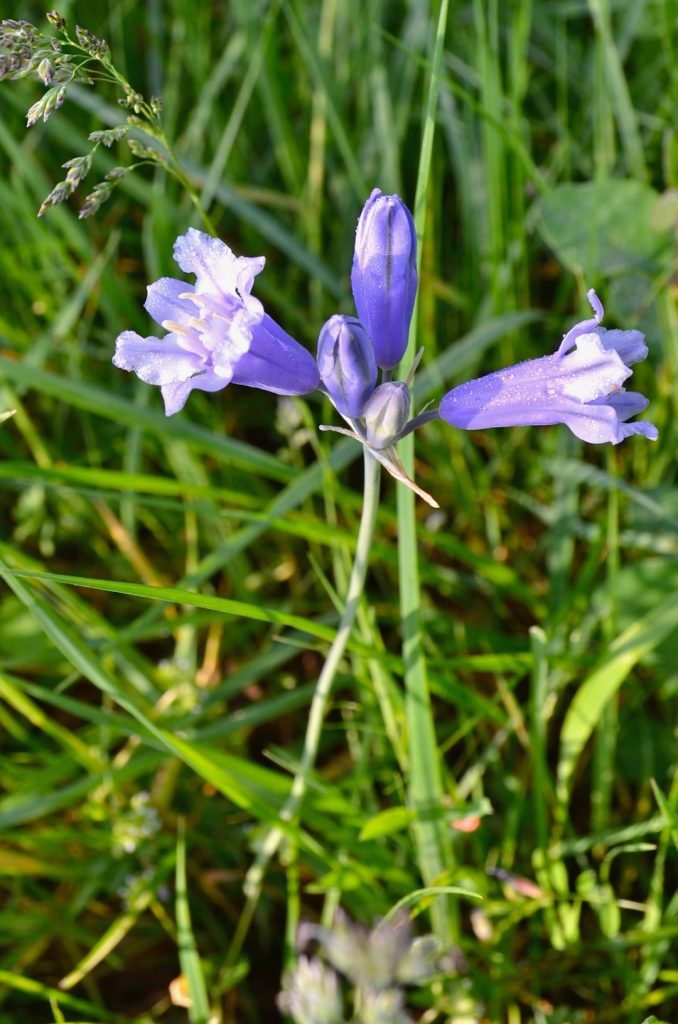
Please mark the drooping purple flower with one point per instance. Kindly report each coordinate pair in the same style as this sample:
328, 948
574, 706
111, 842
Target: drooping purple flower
580, 388
346, 364
384, 275
218, 331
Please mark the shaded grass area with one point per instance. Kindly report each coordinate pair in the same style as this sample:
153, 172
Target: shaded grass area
171, 585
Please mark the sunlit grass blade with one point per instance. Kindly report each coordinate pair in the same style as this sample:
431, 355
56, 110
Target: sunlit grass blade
191, 967
425, 777
215, 769
119, 928
47, 993
179, 595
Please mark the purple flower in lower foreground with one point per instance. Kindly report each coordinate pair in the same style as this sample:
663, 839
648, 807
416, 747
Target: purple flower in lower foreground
580, 388
218, 332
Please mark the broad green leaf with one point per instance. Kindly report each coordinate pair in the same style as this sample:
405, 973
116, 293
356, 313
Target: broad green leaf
604, 228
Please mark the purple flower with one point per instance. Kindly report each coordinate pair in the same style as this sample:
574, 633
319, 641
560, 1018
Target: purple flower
346, 364
218, 332
384, 275
580, 388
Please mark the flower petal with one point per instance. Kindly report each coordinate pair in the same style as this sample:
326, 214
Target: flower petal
584, 326
346, 363
276, 362
629, 345
218, 271
155, 360
175, 394
591, 371
625, 403
600, 424
643, 428
227, 338
163, 301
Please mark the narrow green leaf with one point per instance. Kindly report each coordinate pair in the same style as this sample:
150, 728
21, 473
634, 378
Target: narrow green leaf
20, 983
101, 402
425, 786
393, 819
191, 967
178, 595
668, 811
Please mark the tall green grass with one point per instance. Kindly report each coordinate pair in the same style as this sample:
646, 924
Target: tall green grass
171, 586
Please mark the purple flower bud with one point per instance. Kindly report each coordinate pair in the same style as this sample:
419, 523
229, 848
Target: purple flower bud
346, 364
386, 413
580, 388
384, 275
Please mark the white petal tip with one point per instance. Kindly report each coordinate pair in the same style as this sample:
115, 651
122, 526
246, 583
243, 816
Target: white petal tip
596, 304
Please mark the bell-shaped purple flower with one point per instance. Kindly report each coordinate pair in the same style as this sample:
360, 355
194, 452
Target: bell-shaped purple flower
218, 332
384, 275
580, 388
346, 364
386, 413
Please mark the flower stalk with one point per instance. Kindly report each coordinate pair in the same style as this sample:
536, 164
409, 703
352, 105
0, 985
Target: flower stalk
290, 811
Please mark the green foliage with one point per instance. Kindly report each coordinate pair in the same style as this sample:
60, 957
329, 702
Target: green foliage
171, 586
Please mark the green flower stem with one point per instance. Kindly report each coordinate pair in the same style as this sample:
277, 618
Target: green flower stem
290, 810
427, 416
153, 127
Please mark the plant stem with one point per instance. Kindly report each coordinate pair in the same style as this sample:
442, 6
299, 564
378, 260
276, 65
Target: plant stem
427, 416
292, 806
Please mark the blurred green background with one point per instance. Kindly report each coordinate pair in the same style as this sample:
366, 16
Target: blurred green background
549, 574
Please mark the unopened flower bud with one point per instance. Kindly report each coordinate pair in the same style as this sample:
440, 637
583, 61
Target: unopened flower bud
386, 413
56, 19
384, 275
45, 71
346, 364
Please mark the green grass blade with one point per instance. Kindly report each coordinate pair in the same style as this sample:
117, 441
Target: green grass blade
619, 91
101, 402
230, 776
35, 988
592, 696
179, 595
320, 76
425, 778
191, 966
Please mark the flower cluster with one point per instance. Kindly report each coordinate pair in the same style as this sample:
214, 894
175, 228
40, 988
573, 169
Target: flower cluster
378, 965
218, 334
